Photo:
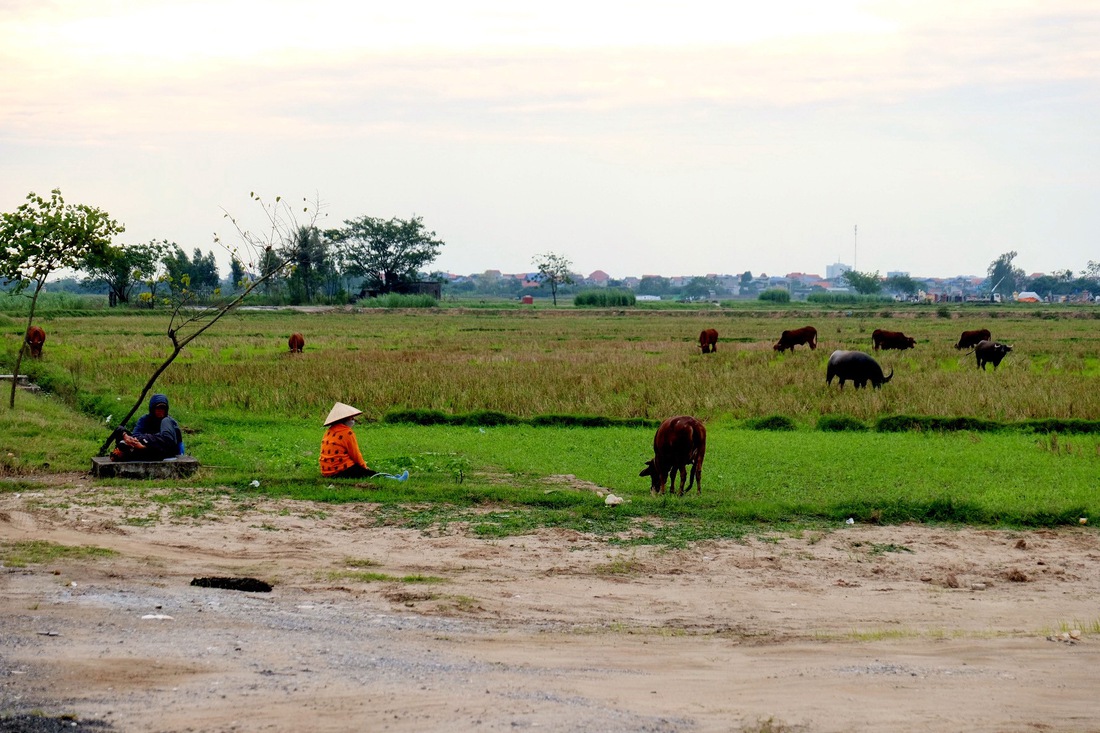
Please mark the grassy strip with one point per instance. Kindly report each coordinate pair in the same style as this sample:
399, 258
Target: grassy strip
487, 418
37, 552
508, 479
581, 362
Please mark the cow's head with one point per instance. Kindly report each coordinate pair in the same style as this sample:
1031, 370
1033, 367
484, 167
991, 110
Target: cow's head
654, 472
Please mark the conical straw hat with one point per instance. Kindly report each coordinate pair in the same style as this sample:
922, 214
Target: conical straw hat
340, 411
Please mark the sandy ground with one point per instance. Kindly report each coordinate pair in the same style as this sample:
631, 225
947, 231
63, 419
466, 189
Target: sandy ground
863, 628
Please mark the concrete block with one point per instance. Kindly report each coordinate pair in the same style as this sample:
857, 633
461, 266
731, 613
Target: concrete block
104, 467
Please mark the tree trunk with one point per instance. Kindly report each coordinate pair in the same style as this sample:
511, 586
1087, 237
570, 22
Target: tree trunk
23, 345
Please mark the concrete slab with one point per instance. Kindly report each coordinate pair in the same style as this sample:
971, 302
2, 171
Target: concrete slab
180, 467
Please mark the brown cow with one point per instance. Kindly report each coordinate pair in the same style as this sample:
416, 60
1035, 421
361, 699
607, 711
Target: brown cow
708, 340
795, 337
35, 338
891, 340
296, 342
679, 441
973, 338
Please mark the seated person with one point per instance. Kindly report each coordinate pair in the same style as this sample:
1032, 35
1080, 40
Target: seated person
340, 456
156, 436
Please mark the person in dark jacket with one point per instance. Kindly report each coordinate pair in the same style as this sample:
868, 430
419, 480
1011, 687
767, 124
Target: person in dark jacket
155, 436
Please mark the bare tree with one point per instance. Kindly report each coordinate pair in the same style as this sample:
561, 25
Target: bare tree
554, 270
190, 320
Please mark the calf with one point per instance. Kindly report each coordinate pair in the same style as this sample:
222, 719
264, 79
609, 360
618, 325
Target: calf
891, 340
973, 338
35, 338
679, 442
296, 342
795, 337
708, 340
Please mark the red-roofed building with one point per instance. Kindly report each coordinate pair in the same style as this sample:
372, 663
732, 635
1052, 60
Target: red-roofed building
599, 277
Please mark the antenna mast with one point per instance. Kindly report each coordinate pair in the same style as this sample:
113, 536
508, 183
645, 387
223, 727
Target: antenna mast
855, 248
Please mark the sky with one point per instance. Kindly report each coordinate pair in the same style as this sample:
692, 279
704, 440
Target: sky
641, 137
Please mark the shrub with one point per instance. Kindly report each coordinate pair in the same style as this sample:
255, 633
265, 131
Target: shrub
487, 418
418, 417
1054, 425
604, 298
847, 299
943, 312
776, 295
772, 422
839, 423
591, 421
907, 423
396, 300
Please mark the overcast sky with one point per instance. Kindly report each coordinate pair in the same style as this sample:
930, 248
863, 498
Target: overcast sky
643, 137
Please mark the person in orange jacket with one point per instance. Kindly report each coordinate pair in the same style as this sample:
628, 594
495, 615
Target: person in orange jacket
340, 456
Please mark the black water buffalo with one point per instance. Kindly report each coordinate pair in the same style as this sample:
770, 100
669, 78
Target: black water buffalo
789, 339
990, 351
891, 340
708, 340
973, 338
856, 366
679, 442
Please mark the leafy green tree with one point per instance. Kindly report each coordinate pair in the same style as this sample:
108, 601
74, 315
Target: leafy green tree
384, 252
553, 271
699, 288
197, 274
308, 251
237, 274
654, 285
902, 284
204, 271
864, 283
122, 269
44, 235
1003, 277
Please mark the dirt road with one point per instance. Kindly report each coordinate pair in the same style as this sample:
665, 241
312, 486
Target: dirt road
863, 628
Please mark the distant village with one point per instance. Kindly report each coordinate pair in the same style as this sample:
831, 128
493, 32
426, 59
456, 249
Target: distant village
800, 285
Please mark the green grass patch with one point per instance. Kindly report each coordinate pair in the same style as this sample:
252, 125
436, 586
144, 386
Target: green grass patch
360, 576
37, 552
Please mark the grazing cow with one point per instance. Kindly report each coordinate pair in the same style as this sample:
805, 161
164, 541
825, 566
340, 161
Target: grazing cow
680, 441
891, 340
856, 366
973, 338
708, 340
795, 337
990, 351
296, 342
35, 338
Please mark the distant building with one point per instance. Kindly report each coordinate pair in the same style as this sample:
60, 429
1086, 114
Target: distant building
599, 278
836, 270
